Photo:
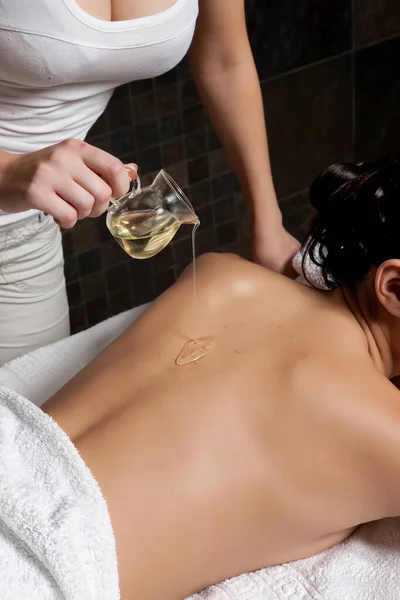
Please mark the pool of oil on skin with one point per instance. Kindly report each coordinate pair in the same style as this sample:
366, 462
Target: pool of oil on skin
193, 350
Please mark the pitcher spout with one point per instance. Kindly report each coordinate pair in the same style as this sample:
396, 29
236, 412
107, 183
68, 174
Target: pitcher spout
188, 218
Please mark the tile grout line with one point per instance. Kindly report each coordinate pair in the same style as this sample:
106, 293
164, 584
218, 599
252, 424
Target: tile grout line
388, 38
307, 66
353, 79
293, 195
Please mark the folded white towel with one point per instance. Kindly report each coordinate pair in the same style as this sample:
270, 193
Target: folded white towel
56, 539
309, 273
364, 567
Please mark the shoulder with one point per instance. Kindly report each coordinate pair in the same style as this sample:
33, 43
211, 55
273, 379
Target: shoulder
231, 272
228, 263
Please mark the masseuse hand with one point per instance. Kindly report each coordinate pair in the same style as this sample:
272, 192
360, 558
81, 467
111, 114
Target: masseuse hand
275, 248
70, 181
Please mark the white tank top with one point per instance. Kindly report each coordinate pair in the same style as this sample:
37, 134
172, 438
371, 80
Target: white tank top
59, 66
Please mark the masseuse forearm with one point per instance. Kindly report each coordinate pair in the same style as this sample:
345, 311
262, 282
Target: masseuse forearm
232, 98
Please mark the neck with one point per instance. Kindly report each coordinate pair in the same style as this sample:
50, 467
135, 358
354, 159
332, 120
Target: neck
378, 336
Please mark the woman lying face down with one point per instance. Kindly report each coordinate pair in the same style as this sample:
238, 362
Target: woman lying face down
281, 440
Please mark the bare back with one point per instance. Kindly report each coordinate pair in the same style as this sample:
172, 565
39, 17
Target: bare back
267, 450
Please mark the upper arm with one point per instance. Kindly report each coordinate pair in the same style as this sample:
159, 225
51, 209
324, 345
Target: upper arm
221, 35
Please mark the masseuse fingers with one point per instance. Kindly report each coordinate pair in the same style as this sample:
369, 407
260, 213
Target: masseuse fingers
79, 198
108, 167
96, 187
63, 213
132, 169
100, 207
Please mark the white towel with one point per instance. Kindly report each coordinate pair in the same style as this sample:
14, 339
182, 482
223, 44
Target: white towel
56, 539
309, 273
40, 374
364, 567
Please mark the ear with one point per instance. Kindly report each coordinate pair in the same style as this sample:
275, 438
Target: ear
387, 286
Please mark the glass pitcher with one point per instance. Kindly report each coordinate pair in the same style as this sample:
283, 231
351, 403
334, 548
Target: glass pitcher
146, 219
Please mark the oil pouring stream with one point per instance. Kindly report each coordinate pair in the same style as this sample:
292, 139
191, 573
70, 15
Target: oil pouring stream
144, 221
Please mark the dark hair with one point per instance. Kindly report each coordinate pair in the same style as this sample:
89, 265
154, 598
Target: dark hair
357, 225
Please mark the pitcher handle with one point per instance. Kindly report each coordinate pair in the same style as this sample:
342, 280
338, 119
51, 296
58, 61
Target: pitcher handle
134, 187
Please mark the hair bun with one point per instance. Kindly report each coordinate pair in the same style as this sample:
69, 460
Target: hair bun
330, 181
358, 220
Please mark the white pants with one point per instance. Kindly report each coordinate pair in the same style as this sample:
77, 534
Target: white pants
33, 299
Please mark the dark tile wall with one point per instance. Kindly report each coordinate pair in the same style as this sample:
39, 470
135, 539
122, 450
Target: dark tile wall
377, 99
309, 118
288, 35
331, 88
376, 20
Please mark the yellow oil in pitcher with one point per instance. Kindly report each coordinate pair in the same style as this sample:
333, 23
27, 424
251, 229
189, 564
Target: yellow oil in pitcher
144, 233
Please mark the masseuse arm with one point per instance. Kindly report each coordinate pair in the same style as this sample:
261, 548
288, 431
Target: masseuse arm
224, 71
